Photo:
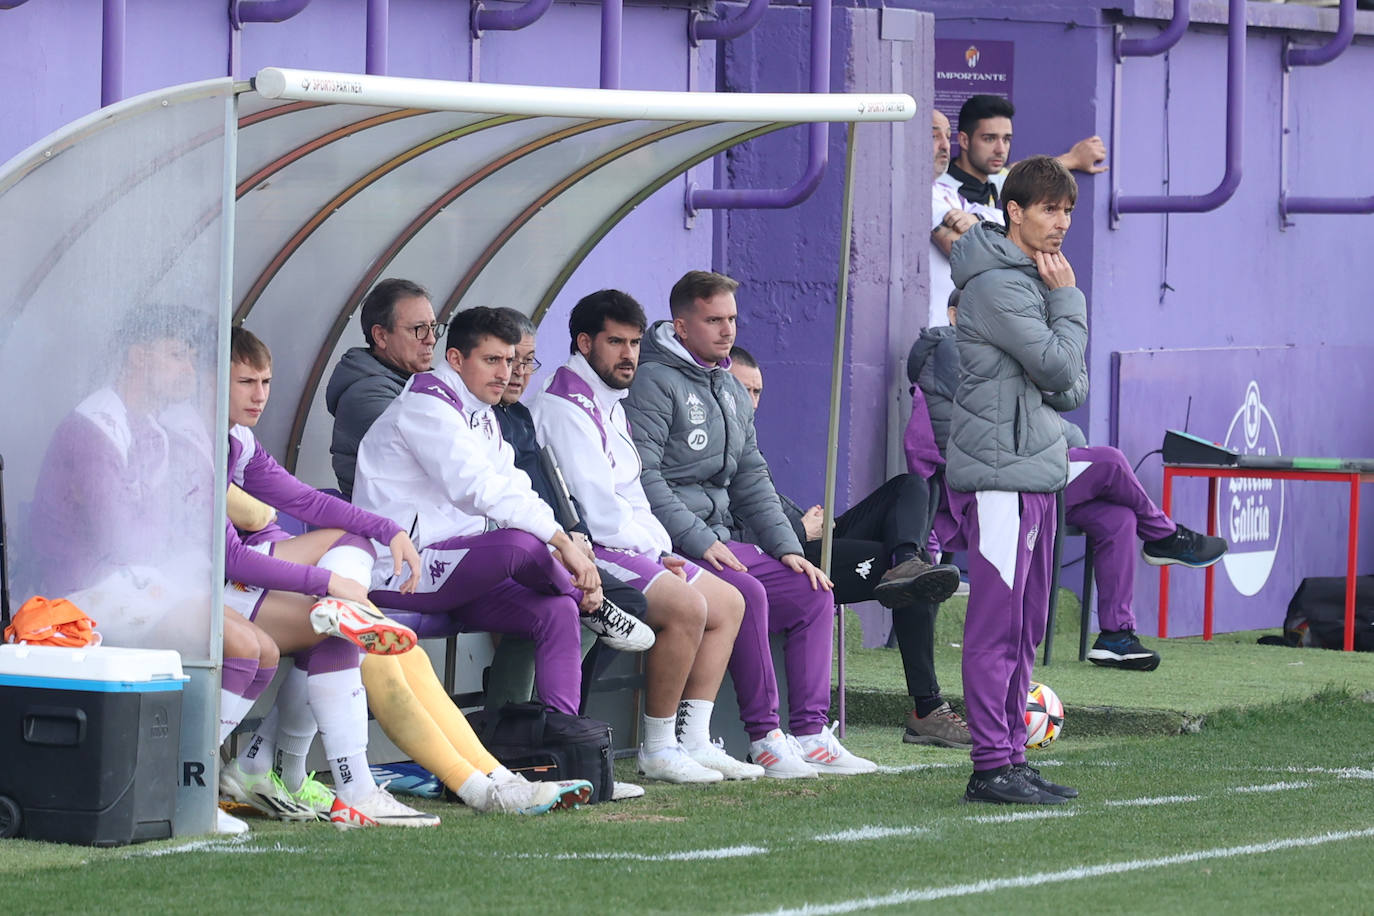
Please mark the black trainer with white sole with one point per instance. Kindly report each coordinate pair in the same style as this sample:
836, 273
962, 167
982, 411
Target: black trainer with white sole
1122, 649
1184, 547
1032, 776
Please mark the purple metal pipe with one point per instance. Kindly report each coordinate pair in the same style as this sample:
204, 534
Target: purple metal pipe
1315, 57
1235, 121
612, 15
1328, 205
699, 30
111, 52
378, 35
1149, 47
241, 11
507, 20
818, 139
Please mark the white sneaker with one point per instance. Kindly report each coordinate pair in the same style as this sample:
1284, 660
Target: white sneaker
361, 624
672, 764
780, 756
519, 796
380, 809
626, 790
263, 791
228, 824
825, 754
619, 630
713, 756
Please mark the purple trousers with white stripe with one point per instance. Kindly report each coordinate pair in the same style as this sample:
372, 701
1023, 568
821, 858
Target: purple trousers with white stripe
1010, 552
778, 600
1105, 499
505, 581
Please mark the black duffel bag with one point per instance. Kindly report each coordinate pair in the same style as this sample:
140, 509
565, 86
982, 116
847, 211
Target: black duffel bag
542, 743
1316, 615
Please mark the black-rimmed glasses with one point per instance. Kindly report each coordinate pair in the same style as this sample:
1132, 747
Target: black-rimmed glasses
436, 328
527, 365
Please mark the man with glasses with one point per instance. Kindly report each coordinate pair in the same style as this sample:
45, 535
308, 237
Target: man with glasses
400, 330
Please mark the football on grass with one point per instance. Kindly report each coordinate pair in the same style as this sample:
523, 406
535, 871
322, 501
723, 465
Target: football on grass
1044, 716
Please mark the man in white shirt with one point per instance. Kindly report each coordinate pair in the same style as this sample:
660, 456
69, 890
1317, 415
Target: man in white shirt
436, 462
696, 615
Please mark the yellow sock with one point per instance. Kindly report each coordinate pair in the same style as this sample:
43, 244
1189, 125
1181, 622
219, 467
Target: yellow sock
424, 683
404, 719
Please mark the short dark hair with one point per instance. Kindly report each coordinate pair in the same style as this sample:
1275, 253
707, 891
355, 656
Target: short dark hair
593, 310
953, 302
246, 348
742, 356
522, 321
1038, 179
469, 326
981, 107
697, 284
379, 305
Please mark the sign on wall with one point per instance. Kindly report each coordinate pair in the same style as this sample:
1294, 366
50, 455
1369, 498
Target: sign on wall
1258, 401
965, 67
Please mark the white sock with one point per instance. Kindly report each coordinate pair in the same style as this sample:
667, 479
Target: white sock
256, 757
659, 734
296, 728
232, 709
694, 722
501, 774
340, 706
351, 562
476, 791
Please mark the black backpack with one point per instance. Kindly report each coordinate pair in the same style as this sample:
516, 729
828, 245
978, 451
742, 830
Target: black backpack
540, 742
1316, 615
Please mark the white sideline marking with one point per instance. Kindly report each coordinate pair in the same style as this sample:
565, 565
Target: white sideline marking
1019, 816
1158, 800
234, 845
913, 767
692, 855
1069, 874
1273, 787
1342, 772
868, 833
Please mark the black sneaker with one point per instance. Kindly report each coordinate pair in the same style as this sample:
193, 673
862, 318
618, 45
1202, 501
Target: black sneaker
1122, 649
1032, 776
1184, 547
916, 580
1007, 786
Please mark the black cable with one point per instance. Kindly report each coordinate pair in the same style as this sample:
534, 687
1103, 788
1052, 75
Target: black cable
1136, 469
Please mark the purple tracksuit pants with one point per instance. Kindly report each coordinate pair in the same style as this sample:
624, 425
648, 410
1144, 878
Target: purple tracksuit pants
1105, 499
778, 600
506, 581
1010, 552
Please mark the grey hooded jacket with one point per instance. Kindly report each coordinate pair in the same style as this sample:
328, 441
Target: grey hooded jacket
359, 390
933, 366
1021, 349
703, 474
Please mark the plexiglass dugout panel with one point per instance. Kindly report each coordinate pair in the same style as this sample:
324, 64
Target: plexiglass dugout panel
111, 257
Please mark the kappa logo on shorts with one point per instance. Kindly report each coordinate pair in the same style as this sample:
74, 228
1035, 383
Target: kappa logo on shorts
1031, 537
865, 568
697, 439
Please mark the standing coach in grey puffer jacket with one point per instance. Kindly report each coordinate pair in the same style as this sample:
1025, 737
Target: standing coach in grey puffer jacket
1022, 333
693, 424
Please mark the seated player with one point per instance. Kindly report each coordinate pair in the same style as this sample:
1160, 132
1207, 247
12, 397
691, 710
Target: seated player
401, 688
273, 581
879, 553
1103, 498
695, 615
435, 459
705, 480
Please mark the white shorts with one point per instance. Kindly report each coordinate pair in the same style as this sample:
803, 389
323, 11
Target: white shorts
246, 599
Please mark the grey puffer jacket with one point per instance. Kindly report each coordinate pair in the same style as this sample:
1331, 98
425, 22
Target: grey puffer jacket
933, 366
359, 390
703, 474
1021, 349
